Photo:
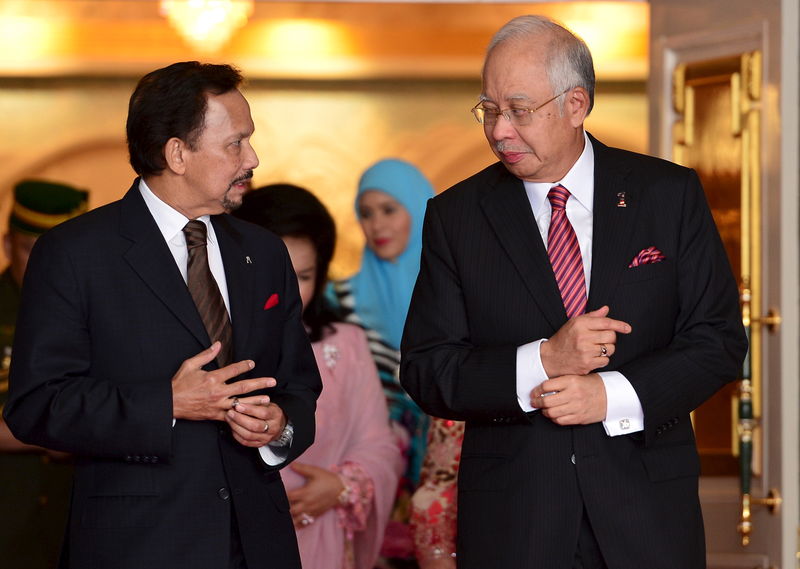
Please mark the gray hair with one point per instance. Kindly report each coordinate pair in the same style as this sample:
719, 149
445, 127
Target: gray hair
568, 59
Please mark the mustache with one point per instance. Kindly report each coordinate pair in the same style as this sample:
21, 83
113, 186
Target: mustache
503, 146
243, 178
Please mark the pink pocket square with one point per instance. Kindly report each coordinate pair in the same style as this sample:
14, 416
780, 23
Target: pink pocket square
271, 301
646, 257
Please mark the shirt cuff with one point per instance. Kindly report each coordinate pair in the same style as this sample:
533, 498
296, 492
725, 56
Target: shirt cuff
530, 372
276, 452
624, 414
272, 455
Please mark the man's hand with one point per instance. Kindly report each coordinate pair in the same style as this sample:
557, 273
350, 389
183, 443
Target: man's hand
255, 421
571, 399
199, 395
584, 343
319, 494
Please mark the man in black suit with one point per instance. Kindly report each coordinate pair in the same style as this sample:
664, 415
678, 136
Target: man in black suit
178, 430
574, 305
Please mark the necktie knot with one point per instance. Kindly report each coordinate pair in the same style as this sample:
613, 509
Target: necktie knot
558, 196
195, 232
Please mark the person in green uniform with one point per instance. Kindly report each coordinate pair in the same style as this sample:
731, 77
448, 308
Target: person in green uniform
34, 483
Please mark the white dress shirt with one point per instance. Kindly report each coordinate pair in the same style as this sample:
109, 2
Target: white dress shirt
624, 413
171, 223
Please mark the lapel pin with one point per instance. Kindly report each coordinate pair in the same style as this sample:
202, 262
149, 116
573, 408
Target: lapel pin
247, 260
621, 200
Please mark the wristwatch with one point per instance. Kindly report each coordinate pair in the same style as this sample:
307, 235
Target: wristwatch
285, 438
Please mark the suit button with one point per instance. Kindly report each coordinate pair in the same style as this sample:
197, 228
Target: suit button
572, 458
223, 493
129, 458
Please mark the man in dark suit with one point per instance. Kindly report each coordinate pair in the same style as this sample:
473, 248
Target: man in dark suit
180, 386
574, 305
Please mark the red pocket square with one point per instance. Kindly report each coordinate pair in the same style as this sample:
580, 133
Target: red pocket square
646, 257
271, 301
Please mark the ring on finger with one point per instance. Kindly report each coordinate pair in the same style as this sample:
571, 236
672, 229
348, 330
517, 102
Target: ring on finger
603, 351
234, 403
266, 426
306, 520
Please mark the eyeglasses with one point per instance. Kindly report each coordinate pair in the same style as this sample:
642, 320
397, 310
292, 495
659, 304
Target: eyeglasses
517, 116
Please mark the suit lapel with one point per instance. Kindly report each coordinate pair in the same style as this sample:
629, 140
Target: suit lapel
612, 226
150, 258
508, 210
239, 276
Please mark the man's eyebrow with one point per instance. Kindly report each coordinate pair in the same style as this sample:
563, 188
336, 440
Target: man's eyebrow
515, 97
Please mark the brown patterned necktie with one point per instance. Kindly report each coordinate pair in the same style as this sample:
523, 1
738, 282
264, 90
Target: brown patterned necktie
205, 292
565, 254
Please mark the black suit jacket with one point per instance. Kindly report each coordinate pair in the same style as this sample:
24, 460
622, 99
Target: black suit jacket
105, 322
486, 287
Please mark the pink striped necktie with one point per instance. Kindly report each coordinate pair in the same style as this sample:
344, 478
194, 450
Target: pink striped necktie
565, 254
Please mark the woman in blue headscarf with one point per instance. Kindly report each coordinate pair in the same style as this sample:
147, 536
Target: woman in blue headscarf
390, 205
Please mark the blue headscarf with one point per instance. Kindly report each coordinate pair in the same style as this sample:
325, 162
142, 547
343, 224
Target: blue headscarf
382, 289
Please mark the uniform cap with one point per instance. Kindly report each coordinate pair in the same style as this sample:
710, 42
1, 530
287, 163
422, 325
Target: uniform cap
40, 205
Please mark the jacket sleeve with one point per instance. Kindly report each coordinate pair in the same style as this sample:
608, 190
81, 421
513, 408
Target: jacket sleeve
56, 400
441, 369
708, 343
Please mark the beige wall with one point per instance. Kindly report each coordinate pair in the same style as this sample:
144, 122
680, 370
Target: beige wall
317, 134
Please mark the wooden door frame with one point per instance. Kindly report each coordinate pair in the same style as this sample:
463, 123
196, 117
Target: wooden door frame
719, 28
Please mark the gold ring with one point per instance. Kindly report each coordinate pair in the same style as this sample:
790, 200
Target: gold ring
266, 426
603, 351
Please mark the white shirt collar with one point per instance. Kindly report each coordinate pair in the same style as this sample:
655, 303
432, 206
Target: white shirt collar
169, 220
579, 180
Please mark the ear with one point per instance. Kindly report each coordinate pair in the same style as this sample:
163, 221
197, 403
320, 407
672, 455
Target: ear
175, 154
576, 105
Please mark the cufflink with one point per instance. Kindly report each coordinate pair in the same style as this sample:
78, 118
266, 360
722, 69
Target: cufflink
624, 424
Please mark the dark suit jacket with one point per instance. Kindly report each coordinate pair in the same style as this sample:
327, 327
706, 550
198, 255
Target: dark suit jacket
105, 322
486, 286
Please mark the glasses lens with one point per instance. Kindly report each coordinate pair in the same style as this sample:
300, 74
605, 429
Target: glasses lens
487, 117
521, 117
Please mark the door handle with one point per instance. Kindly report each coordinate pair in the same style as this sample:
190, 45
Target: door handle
746, 425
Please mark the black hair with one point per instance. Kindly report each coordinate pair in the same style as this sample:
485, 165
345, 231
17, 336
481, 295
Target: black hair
172, 102
291, 211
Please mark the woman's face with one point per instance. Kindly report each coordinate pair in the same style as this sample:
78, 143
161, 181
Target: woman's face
304, 262
386, 224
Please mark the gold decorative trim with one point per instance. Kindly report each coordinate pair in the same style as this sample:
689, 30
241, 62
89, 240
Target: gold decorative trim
45, 220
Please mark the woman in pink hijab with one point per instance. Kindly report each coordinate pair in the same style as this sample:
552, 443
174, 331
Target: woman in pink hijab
342, 488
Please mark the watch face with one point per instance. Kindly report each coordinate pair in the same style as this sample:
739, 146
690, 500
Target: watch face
286, 435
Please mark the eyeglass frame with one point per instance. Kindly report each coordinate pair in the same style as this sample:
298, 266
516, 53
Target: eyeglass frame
477, 109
